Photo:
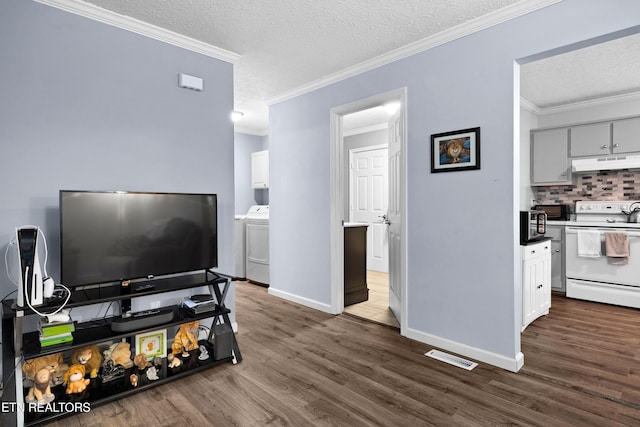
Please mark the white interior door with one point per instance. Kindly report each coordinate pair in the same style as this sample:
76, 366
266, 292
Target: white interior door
394, 212
369, 191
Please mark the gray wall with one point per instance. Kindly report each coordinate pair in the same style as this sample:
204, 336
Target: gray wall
463, 270
88, 106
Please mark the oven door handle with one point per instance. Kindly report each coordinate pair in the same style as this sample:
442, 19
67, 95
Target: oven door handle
574, 230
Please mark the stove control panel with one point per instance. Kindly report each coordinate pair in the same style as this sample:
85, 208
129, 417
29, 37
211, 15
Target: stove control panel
605, 207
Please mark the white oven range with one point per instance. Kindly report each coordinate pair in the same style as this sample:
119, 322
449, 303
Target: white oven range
591, 275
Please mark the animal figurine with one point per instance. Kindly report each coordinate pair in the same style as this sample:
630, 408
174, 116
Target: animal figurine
133, 378
186, 338
152, 374
74, 379
90, 357
204, 354
140, 360
57, 377
120, 354
52, 362
41, 387
174, 361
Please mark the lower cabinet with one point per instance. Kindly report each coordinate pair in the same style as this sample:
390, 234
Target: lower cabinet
536, 281
355, 264
556, 232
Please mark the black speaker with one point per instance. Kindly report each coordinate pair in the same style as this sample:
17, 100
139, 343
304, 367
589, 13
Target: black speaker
223, 341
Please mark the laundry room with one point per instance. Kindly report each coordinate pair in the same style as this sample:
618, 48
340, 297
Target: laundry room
251, 230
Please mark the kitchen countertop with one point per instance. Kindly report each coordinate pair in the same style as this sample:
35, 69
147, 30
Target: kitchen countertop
355, 224
535, 242
602, 224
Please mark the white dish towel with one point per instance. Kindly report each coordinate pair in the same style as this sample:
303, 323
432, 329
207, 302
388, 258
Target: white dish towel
589, 244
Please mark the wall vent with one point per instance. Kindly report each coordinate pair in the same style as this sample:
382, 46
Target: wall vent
451, 359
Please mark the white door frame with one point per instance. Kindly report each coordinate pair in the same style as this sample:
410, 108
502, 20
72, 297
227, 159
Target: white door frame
338, 199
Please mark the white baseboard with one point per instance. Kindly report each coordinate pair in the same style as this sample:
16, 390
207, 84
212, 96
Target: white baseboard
300, 300
510, 364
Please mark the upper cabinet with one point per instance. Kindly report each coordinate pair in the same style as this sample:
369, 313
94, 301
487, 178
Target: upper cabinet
590, 140
613, 137
626, 135
550, 163
260, 169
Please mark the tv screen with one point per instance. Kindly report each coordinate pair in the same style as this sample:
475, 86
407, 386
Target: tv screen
110, 237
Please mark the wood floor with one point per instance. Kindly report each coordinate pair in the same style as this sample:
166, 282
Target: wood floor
303, 367
376, 308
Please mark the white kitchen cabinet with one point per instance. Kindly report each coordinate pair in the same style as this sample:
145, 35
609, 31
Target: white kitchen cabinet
260, 169
550, 157
536, 281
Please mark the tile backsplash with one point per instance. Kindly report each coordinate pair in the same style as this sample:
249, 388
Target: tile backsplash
609, 185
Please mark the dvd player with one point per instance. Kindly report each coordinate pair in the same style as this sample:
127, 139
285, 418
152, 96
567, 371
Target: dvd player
142, 320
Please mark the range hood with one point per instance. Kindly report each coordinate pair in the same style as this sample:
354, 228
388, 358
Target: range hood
605, 163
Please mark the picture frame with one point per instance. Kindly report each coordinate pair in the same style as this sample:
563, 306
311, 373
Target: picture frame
152, 344
455, 151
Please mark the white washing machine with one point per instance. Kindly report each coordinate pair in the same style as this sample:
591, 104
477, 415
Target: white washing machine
257, 244
241, 246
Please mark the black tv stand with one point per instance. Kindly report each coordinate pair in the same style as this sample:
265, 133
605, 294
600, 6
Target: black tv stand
19, 346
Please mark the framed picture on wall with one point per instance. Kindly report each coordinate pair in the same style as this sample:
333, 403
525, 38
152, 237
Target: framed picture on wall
455, 151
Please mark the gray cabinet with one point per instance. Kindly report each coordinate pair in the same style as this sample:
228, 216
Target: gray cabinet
626, 136
603, 138
550, 157
590, 140
556, 232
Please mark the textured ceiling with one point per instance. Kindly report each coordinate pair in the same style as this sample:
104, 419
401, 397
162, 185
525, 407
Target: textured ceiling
599, 71
288, 44
285, 44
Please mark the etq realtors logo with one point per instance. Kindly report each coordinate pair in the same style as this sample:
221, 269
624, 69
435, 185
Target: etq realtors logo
7, 407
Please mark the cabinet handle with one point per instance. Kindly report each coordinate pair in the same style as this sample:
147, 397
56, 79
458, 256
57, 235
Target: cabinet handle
557, 250
546, 247
604, 146
539, 286
563, 174
533, 252
616, 145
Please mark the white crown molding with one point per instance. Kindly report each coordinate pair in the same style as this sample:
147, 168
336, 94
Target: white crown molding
462, 30
600, 102
366, 129
139, 27
529, 106
250, 131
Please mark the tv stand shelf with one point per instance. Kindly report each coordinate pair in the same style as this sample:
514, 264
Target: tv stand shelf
97, 331
19, 347
97, 294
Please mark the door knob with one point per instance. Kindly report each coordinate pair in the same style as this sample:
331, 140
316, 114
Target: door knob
384, 219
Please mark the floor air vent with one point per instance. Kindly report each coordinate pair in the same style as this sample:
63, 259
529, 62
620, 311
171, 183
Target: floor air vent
451, 359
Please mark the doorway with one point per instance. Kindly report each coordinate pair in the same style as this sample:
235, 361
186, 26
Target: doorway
367, 173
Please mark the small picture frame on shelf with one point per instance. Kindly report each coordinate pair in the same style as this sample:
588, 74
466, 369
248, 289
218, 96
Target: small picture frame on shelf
455, 151
152, 344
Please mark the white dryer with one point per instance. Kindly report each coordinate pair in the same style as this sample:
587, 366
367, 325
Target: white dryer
257, 244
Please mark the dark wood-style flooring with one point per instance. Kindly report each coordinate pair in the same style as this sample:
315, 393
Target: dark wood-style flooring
303, 367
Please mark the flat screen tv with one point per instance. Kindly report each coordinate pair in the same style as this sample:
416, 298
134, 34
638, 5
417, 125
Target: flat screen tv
108, 237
